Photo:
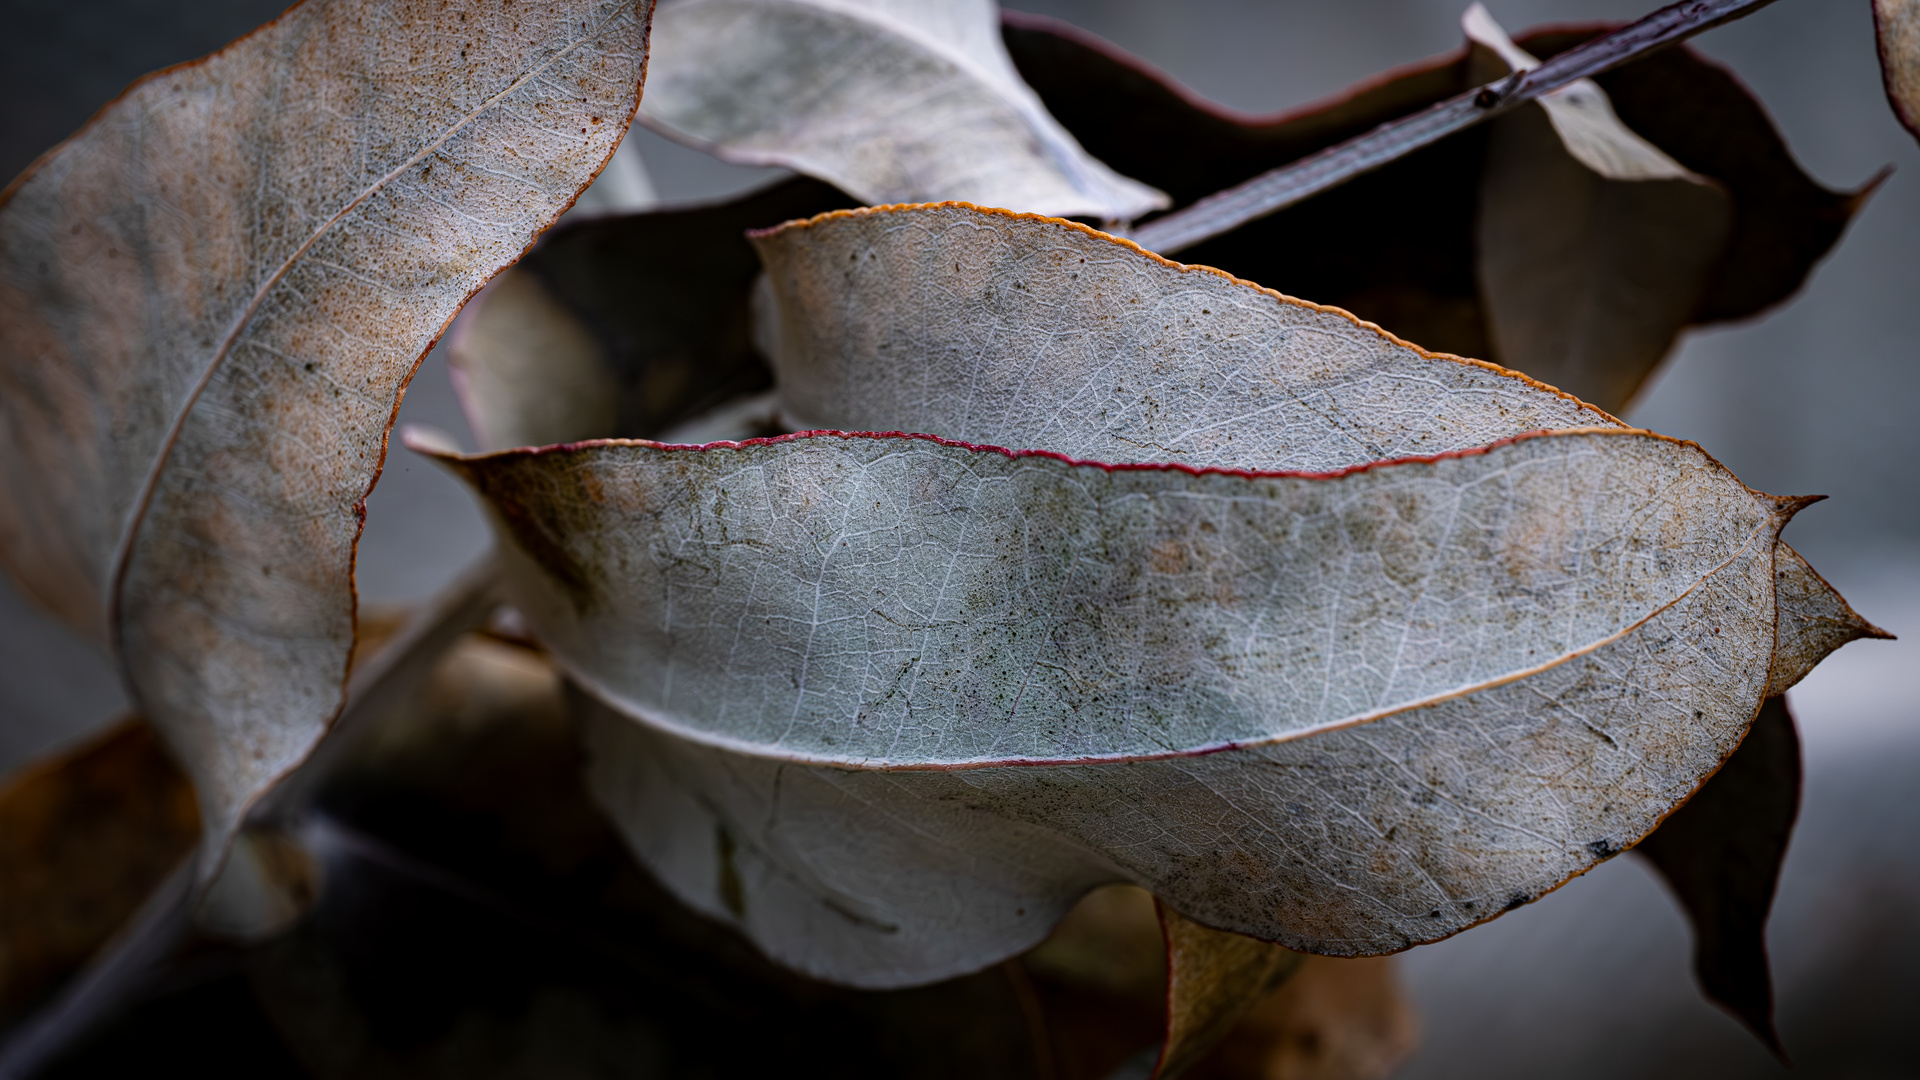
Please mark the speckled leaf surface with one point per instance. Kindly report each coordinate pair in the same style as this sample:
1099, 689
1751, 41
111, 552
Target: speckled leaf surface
890, 100
892, 703
212, 296
948, 689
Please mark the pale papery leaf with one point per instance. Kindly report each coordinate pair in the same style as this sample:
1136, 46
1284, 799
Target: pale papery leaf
212, 296
891, 100
926, 727
892, 703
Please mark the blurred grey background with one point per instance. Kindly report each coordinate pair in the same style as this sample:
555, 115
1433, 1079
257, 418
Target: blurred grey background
1816, 397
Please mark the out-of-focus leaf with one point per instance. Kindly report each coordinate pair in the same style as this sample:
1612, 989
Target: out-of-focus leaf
484, 919
1332, 1019
84, 837
1594, 247
1102, 975
210, 300
850, 664
1721, 853
1399, 246
892, 100
1896, 26
1213, 979
623, 326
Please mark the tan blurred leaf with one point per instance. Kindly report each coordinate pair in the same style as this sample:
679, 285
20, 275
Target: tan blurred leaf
211, 298
84, 837
1896, 25
1332, 1019
892, 100
1213, 979
891, 703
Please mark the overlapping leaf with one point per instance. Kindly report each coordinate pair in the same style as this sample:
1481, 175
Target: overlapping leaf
892, 100
212, 296
1404, 246
891, 703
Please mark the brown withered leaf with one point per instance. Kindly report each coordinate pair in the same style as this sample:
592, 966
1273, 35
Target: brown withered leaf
1896, 27
211, 298
1398, 246
84, 838
648, 315
1721, 853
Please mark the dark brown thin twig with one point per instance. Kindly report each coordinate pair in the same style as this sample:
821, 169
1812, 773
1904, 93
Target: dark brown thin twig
1280, 188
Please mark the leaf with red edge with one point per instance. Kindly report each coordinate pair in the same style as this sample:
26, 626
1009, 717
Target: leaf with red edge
843, 667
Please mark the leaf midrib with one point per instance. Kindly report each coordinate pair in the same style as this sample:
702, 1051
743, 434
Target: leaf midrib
1764, 530
136, 518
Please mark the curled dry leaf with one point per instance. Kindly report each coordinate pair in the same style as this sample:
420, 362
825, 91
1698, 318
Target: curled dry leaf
212, 296
931, 109
1401, 246
891, 703
624, 326
1896, 26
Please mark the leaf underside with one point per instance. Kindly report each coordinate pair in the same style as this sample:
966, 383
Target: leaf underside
212, 297
933, 109
835, 654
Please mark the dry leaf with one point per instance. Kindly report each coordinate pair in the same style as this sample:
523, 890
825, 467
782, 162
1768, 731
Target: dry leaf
1333, 1019
482, 918
1213, 979
623, 326
84, 837
1896, 27
850, 665
1398, 246
1721, 853
212, 296
1595, 247
892, 100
